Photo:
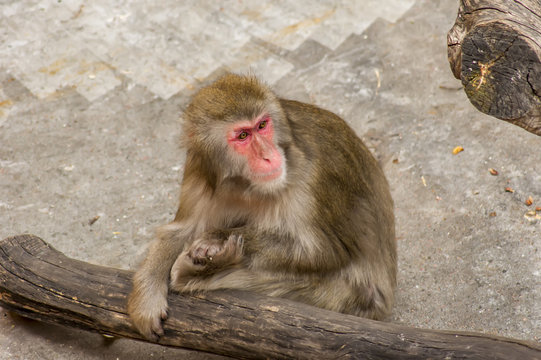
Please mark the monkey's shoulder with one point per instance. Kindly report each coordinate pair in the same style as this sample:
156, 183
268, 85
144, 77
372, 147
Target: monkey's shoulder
312, 124
338, 155
322, 125
297, 111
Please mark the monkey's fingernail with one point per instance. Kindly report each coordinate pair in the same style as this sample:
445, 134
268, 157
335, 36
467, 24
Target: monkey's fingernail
210, 258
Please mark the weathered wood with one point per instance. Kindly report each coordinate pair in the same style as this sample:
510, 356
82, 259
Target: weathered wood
38, 282
494, 47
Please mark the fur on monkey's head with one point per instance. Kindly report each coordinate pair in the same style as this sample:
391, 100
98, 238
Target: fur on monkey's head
229, 99
215, 109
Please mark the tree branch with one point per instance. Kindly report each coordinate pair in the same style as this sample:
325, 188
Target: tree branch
38, 282
494, 47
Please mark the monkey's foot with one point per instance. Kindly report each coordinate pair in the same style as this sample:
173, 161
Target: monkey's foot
216, 252
205, 257
204, 251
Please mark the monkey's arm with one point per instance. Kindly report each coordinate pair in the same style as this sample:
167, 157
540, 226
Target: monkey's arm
147, 303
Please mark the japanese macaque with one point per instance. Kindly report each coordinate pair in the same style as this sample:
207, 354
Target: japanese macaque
278, 197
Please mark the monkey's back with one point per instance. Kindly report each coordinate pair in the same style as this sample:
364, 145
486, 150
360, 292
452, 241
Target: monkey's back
350, 188
339, 154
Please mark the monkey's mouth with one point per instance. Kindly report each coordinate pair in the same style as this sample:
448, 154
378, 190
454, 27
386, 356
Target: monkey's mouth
269, 176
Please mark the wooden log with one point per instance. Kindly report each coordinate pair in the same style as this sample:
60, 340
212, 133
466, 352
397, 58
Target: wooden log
494, 47
38, 282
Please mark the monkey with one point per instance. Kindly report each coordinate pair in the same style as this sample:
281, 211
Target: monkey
277, 197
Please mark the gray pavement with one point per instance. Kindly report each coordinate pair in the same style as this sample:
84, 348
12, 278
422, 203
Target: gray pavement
90, 99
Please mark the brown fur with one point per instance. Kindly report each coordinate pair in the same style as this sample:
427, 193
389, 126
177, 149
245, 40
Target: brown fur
323, 235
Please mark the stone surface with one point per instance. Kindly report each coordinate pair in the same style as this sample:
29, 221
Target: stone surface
90, 100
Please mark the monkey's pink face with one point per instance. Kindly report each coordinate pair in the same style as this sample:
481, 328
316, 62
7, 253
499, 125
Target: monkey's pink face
253, 140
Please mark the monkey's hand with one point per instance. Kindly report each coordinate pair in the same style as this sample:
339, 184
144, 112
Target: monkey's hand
205, 257
147, 307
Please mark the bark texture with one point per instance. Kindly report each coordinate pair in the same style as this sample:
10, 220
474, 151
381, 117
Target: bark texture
38, 282
494, 47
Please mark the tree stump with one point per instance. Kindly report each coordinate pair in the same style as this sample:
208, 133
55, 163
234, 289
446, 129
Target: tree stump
38, 282
494, 47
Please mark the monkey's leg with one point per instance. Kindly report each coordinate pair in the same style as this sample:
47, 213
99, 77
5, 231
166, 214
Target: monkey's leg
329, 291
147, 303
221, 260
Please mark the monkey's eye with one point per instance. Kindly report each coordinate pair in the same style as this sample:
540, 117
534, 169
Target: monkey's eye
263, 124
243, 135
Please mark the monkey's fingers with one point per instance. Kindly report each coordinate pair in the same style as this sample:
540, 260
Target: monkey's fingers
150, 327
165, 314
184, 268
234, 243
204, 250
231, 253
147, 311
199, 253
157, 328
202, 261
